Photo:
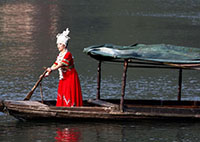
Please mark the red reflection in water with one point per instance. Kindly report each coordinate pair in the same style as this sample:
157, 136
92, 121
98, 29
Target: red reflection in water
68, 135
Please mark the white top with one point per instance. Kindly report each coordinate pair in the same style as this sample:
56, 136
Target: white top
58, 61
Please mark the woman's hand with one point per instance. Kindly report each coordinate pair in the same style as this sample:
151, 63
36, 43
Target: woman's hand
49, 70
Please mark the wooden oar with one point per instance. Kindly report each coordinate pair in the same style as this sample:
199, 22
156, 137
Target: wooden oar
35, 86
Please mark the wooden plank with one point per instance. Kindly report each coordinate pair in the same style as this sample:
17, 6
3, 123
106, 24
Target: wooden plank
165, 112
102, 103
24, 103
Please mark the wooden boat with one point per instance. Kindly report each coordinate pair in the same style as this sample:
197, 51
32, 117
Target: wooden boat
108, 109
104, 110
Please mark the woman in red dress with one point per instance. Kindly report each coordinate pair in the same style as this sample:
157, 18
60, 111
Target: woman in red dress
69, 89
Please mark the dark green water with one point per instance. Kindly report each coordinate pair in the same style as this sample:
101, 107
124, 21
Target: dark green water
27, 44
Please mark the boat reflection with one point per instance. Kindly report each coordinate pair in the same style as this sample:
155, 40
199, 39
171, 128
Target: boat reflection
68, 135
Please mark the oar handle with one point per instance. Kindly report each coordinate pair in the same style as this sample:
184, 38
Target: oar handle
35, 86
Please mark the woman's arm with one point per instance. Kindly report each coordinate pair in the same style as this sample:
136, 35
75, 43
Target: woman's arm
52, 68
55, 67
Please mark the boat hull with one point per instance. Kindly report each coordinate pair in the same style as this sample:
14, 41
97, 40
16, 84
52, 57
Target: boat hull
35, 110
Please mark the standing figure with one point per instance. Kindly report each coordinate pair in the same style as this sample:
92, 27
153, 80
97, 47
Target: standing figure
69, 89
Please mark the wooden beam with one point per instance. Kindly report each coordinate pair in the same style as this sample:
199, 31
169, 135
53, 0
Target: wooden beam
180, 84
98, 80
123, 85
103, 103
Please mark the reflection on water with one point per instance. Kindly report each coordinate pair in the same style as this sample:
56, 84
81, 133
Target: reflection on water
143, 131
68, 135
22, 32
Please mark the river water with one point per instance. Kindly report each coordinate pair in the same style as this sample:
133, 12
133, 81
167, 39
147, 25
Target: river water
27, 44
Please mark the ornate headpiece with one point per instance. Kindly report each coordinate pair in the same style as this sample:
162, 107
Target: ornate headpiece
63, 37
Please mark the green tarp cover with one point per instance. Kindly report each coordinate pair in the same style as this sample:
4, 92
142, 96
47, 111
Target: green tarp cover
156, 52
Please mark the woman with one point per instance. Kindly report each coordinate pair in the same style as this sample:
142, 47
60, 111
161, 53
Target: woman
69, 89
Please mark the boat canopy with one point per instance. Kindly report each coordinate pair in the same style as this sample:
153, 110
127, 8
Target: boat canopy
145, 56
162, 53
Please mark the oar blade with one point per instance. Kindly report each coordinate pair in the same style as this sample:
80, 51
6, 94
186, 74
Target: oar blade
28, 96
35, 86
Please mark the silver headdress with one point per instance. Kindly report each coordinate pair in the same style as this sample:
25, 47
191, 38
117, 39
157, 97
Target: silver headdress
63, 37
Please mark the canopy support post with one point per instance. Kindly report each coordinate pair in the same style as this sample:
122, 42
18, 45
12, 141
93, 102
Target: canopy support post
180, 84
123, 85
98, 80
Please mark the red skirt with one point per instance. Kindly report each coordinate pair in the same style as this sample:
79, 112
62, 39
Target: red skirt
69, 90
